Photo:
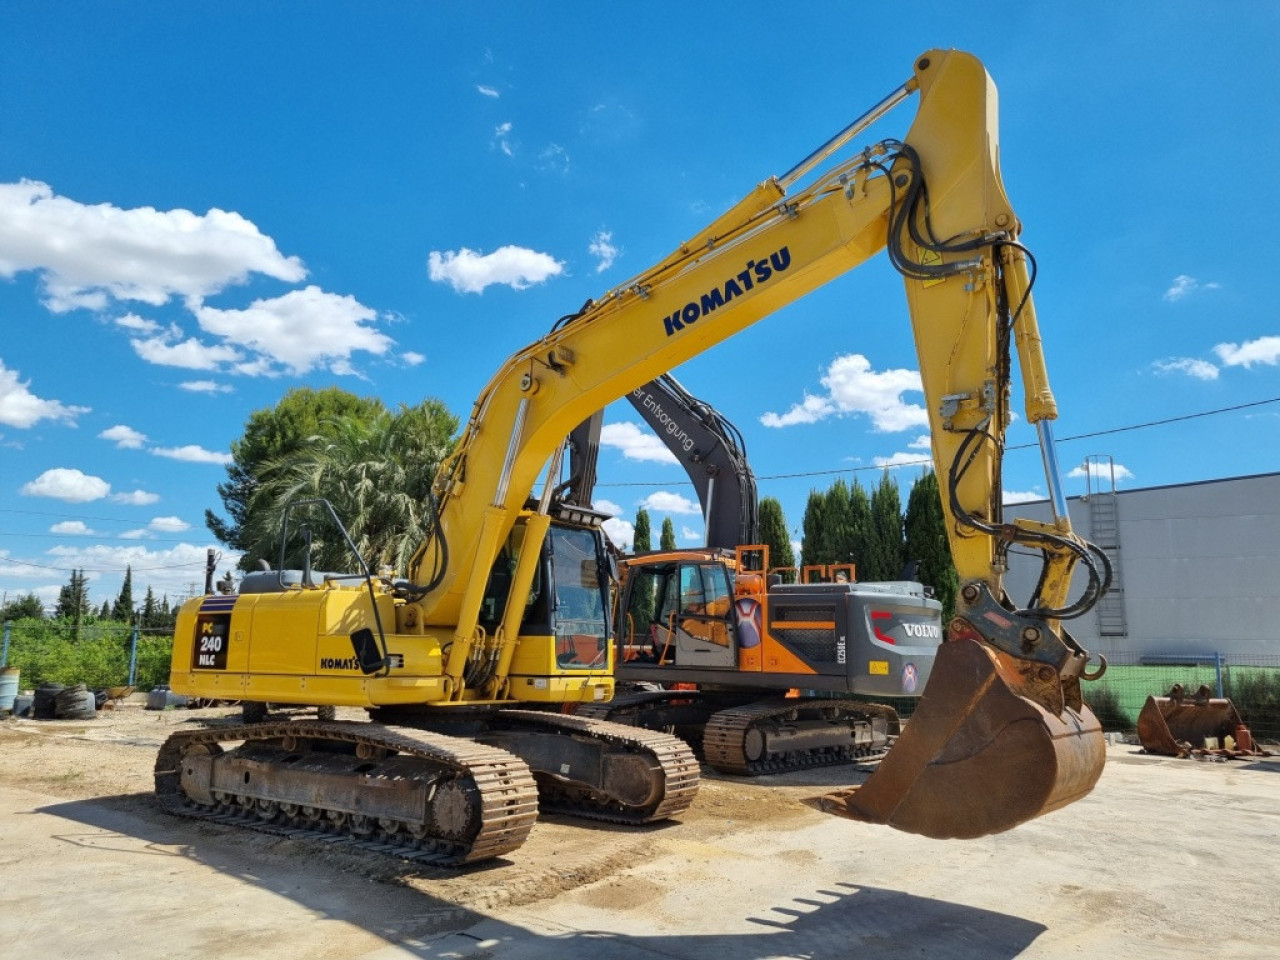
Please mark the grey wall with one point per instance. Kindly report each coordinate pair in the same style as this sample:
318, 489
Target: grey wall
1200, 565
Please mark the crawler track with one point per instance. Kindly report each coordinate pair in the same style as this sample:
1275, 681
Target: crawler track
667, 765
473, 802
737, 741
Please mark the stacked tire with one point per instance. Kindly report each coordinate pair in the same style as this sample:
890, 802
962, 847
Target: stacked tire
44, 707
75, 703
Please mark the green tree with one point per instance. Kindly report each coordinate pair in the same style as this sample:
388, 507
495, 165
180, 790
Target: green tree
862, 533
667, 541
813, 545
149, 616
104, 612
123, 608
376, 471
773, 533
73, 601
642, 542
641, 608
927, 543
270, 435
884, 560
28, 607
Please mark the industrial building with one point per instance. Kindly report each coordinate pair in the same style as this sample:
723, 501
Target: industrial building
1196, 566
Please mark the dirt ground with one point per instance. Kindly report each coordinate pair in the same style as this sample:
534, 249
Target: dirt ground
1166, 858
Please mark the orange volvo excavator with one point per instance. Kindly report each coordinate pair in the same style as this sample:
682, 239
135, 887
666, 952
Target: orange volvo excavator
760, 676
503, 602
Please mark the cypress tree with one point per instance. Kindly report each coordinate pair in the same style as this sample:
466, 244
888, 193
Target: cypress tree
838, 525
927, 542
862, 534
667, 541
642, 541
123, 608
813, 548
773, 533
150, 616
886, 530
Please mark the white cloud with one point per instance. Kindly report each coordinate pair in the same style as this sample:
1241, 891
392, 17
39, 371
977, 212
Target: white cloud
607, 506
131, 321
1101, 471
810, 410
205, 386
1021, 496
666, 502
470, 272
487, 91
189, 354
1198, 369
126, 438
72, 528
621, 532
554, 158
138, 498
168, 525
135, 534
602, 248
502, 138
636, 443
1184, 286
902, 460
921, 442
853, 387
411, 358
191, 454
690, 535
303, 330
88, 255
175, 572
1263, 350
21, 408
62, 483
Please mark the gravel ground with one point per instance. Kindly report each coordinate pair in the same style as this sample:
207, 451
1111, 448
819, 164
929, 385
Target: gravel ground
1167, 858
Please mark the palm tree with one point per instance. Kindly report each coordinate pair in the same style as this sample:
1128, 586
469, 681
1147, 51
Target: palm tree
375, 471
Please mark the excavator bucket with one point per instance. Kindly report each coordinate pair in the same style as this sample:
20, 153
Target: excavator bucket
1179, 723
976, 758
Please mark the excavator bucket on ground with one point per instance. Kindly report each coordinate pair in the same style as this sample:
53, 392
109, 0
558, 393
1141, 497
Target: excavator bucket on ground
976, 758
1181, 723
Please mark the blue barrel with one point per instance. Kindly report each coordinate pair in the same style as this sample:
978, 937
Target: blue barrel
8, 688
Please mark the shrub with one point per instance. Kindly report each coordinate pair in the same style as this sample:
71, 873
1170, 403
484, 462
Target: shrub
1105, 704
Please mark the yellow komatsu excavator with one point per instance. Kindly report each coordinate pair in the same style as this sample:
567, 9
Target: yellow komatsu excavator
506, 601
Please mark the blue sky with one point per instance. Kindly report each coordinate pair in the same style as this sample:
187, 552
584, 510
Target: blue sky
203, 205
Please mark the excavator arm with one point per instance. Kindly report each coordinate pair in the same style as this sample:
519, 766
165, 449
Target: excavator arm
709, 448
1001, 733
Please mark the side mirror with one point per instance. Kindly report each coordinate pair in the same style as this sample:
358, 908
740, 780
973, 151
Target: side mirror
368, 654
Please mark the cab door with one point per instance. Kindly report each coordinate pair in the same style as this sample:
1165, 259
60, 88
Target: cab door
701, 612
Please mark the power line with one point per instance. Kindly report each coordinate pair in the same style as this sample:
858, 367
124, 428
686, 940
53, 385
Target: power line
926, 461
69, 566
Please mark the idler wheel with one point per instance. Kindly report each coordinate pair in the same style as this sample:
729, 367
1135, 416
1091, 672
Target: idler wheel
455, 810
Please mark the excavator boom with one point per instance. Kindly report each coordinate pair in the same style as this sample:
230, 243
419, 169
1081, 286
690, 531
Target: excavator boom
1002, 733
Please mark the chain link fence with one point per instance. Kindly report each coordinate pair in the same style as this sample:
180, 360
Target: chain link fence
113, 654
1251, 682
99, 655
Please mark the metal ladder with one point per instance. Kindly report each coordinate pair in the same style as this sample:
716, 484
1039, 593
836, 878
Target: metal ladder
1104, 524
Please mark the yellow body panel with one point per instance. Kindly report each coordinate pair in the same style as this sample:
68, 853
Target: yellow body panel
295, 647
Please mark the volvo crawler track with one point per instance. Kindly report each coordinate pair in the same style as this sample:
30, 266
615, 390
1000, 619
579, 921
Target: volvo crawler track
779, 735
419, 795
736, 735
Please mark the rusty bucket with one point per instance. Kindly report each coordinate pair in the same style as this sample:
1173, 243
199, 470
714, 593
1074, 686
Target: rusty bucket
1175, 725
976, 758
